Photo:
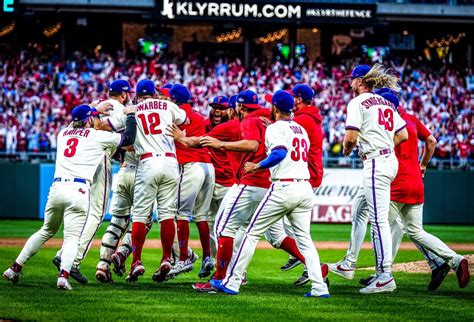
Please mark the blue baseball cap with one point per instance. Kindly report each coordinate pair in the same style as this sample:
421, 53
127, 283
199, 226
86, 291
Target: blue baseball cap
180, 94
283, 101
232, 101
360, 71
392, 99
248, 99
167, 85
146, 87
81, 113
384, 90
303, 91
119, 86
220, 101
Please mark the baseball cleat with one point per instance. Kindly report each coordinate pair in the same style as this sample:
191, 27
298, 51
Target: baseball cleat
313, 293
104, 275
57, 262
193, 257
76, 274
437, 277
217, 284
380, 285
244, 279
136, 270
11, 275
462, 273
204, 288
367, 281
302, 280
63, 284
118, 263
292, 263
161, 273
182, 267
342, 268
206, 267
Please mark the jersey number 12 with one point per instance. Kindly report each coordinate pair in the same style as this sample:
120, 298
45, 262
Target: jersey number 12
150, 123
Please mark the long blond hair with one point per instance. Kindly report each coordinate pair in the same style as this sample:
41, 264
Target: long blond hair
379, 77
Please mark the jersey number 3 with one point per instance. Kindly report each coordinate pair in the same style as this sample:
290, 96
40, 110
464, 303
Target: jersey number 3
71, 147
296, 154
386, 119
150, 127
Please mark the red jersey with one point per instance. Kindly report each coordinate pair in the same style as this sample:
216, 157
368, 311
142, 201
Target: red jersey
225, 162
310, 119
252, 128
407, 187
196, 127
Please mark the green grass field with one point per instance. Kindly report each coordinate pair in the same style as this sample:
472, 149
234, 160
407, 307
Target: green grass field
269, 294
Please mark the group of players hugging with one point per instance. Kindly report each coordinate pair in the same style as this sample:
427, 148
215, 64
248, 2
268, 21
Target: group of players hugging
245, 172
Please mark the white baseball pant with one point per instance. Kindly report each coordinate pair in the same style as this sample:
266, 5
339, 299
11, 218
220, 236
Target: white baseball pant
156, 179
378, 174
68, 202
216, 201
196, 186
240, 203
412, 216
360, 218
291, 199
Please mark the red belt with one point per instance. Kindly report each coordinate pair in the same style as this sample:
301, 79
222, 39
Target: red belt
149, 155
292, 180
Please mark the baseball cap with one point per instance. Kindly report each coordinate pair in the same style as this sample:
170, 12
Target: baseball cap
180, 94
220, 101
248, 99
81, 113
384, 90
119, 86
232, 101
146, 87
283, 101
391, 98
360, 71
303, 91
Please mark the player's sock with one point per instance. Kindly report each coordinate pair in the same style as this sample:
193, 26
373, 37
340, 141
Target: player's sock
204, 235
183, 238
168, 231
63, 273
289, 245
16, 267
224, 255
138, 239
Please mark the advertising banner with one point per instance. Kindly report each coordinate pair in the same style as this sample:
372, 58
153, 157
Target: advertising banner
333, 199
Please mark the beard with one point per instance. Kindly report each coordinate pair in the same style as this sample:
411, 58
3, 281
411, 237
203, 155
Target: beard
218, 117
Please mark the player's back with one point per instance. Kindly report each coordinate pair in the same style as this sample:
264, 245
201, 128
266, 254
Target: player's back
293, 137
376, 119
153, 116
80, 151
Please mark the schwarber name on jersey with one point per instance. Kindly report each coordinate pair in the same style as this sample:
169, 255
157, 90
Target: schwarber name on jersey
81, 150
294, 139
153, 116
376, 119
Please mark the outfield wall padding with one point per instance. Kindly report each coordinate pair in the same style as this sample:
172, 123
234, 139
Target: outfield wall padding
25, 187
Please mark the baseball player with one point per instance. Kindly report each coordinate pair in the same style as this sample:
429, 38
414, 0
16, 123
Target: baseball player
290, 195
242, 199
156, 177
119, 96
373, 123
196, 183
407, 202
307, 115
80, 150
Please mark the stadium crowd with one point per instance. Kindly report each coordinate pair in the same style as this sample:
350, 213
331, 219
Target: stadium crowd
38, 93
